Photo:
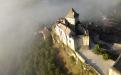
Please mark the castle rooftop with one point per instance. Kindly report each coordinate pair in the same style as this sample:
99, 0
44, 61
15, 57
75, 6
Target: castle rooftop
72, 14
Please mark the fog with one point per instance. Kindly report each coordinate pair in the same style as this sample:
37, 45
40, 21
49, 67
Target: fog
20, 18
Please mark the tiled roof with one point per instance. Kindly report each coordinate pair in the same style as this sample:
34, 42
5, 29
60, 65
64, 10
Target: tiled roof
72, 14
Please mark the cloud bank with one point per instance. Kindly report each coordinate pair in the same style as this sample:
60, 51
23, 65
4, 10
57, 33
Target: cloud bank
20, 18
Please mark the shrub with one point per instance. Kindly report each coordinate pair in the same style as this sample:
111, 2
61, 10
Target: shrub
105, 56
97, 50
100, 51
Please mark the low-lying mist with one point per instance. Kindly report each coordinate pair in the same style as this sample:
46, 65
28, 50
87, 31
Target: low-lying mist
19, 20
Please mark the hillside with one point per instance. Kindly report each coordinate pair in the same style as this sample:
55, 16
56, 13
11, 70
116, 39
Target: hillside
41, 59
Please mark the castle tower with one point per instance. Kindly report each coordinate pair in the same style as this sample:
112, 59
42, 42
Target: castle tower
72, 17
85, 40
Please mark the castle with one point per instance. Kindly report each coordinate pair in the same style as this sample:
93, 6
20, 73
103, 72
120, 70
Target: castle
66, 30
76, 37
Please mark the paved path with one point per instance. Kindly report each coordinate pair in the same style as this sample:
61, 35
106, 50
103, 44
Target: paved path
97, 61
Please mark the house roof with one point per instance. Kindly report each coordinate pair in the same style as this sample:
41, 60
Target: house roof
117, 65
72, 14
